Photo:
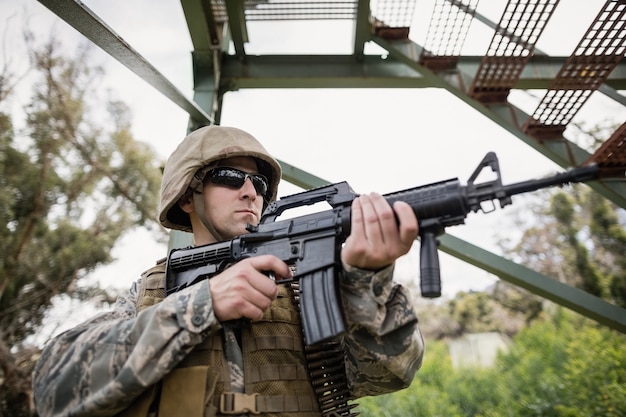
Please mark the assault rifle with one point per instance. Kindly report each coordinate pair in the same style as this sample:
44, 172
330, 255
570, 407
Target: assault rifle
311, 243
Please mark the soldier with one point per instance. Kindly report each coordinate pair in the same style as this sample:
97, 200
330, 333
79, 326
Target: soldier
181, 355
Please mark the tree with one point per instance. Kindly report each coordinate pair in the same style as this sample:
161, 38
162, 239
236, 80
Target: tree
579, 238
68, 191
473, 311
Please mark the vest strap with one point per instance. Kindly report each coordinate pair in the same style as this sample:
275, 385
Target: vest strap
286, 372
286, 403
238, 403
274, 342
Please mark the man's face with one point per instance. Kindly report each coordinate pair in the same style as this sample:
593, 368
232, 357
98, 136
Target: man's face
224, 210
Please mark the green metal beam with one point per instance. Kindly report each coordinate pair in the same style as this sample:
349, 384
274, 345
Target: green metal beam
81, 18
371, 71
206, 74
300, 178
613, 94
237, 26
362, 29
315, 71
202, 27
546, 287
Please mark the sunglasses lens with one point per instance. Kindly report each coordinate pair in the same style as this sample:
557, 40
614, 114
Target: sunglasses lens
235, 178
260, 184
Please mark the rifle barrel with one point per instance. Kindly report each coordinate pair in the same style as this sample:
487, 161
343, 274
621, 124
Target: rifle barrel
575, 175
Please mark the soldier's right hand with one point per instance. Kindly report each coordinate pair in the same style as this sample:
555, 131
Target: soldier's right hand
244, 290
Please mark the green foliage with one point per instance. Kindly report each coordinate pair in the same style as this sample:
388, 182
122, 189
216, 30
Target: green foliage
594, 242
567, 366
473, 311
563, 209
560, 366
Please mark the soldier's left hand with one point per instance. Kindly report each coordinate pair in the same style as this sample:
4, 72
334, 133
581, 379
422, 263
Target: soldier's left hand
380, 233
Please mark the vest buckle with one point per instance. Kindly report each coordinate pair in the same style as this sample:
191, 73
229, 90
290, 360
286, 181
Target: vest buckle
238, 403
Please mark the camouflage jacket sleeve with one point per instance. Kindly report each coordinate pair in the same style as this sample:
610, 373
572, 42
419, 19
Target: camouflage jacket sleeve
384, 344
99, 367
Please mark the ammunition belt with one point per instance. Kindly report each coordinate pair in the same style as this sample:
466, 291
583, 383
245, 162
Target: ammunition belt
325, 361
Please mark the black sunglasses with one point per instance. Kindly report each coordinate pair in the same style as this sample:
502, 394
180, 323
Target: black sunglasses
236, 178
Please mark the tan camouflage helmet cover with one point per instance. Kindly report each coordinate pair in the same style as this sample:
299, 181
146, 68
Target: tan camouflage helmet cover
202, 147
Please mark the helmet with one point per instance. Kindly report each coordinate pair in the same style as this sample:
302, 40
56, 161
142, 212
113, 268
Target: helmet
203, 147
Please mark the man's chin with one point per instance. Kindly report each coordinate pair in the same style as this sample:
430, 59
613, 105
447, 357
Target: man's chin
248, 219
245, 228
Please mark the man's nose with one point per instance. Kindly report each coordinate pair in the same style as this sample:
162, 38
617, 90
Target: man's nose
248, 187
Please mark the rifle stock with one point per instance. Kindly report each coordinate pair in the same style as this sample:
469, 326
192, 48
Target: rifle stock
311, 243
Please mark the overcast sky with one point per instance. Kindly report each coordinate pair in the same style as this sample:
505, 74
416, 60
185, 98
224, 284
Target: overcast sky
377, 140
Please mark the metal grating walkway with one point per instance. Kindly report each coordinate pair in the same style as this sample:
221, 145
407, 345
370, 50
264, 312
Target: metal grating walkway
389, 13
512, 46
289, 10
447, 31
597, 54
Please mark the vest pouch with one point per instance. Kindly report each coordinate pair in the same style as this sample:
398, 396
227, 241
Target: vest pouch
152, 287
141, 406
185, 392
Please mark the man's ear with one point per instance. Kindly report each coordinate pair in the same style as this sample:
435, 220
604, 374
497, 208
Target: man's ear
186, 202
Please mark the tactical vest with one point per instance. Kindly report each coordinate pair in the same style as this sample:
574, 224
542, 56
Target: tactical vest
277, 380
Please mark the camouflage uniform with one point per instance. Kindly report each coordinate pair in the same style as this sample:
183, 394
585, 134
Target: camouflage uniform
101, 367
